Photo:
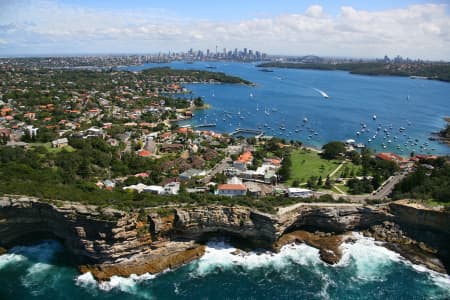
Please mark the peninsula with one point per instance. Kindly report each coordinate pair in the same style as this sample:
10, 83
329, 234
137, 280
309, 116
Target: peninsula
435, 71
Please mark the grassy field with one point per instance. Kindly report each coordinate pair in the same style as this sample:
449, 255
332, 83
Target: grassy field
49, 148
306, 163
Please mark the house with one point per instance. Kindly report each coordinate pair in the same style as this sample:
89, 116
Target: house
136, 187
389, 157
188, 174
5, 133
172, 188
244, 159
94, 131
253, 189
299, 193
60, 143
144, 153
154, 189
232, 190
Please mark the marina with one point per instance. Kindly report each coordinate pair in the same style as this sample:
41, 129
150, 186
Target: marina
371, 110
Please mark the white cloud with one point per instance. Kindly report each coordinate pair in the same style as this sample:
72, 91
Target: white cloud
36, 26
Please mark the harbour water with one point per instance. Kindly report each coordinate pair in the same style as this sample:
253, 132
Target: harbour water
386, 113
367, 271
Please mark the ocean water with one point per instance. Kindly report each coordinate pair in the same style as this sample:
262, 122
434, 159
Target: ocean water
285, 97
366, 271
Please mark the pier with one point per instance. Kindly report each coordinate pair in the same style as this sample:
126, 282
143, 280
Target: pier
256, 132
205, 125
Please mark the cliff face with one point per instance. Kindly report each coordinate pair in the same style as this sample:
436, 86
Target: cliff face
113, 242
428, 226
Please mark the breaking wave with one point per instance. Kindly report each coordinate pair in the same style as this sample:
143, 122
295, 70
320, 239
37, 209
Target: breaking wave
224, 271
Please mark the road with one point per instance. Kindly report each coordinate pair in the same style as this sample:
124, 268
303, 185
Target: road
387, 187
218, 168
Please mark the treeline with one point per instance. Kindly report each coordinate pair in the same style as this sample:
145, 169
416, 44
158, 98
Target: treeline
432, 71
194, 75
430, 181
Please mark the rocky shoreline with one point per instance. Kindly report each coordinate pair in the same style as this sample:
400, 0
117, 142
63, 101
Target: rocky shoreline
109, 242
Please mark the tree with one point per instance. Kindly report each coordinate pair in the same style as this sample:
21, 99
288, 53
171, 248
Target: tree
328, 183
333, 149
319, 181
311, 183
199, 102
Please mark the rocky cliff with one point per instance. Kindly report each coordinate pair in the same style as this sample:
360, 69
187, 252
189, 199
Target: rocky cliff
111, 242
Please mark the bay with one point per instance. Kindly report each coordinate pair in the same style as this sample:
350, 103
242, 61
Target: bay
375, 106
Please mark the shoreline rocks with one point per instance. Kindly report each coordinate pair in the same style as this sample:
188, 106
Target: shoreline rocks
171, 257
396, 240
109, 242
328, 244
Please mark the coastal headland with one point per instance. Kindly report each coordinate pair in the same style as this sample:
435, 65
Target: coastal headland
109, 242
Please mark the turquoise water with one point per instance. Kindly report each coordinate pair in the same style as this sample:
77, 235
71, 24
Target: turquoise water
283, 98
367, 271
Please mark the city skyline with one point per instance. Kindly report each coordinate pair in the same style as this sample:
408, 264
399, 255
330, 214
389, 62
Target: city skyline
415, 29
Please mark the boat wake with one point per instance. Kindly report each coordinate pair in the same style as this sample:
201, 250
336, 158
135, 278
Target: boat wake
325, 95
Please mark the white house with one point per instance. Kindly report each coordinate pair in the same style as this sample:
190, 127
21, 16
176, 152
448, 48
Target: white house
154, 189
172, 188
299, 193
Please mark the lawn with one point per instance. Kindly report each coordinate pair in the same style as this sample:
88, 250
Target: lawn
306, 163
49, 148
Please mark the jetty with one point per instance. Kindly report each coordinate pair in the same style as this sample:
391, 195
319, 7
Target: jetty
256, 132
205, 125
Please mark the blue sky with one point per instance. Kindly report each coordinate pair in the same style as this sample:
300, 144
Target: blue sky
243, 9
417, 29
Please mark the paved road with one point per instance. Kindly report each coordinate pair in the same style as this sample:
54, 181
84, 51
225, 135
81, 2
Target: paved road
387, 187
218, 168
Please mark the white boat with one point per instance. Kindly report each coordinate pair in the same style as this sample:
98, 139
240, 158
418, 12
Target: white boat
374, 117
325, 95
305, 119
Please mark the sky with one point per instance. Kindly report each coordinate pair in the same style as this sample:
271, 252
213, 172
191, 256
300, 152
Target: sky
358, 28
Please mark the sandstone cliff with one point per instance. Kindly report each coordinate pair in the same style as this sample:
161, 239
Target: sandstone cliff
108, 242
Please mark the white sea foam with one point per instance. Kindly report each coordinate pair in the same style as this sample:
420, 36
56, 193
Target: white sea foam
124, 284
128, 285
221, 256
10, 258
38, 255
371, 260
86, 280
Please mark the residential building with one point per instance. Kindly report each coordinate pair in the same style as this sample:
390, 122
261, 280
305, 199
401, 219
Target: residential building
60, 143
299, 193
232, 190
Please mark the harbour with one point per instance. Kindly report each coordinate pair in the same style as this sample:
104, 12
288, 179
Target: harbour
377, 112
